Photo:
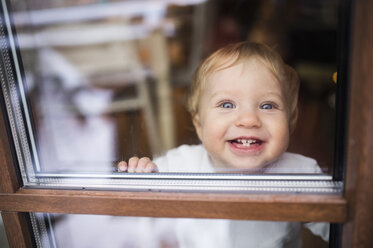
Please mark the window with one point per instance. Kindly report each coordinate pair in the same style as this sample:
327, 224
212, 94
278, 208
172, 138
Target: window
286, 207
83, 99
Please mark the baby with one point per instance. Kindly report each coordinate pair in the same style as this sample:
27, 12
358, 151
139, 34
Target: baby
243, 102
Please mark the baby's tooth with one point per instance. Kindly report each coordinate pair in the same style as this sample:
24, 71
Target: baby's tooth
246, 142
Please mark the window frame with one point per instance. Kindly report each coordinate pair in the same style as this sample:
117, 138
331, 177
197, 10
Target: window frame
352, 209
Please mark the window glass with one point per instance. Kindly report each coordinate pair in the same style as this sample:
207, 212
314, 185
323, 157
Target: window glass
109, 80
3, 239
56, 230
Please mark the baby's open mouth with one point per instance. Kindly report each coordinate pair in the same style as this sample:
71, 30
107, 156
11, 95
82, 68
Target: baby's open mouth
246, 142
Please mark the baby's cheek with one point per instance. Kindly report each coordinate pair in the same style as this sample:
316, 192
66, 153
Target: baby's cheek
211, 140
283, 137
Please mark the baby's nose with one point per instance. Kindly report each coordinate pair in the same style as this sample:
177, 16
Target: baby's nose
248, 119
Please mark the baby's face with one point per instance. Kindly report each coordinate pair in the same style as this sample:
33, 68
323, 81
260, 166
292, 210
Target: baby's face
242, 120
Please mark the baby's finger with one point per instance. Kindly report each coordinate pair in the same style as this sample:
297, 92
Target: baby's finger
122, 166
142, 164
151, 167
132, 164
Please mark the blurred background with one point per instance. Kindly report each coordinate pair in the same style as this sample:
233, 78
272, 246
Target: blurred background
107, 80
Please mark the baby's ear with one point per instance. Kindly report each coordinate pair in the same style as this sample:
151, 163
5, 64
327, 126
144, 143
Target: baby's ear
197, 125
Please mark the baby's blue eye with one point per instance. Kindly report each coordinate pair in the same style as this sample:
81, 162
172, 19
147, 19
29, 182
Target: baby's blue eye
227, 105
267, 106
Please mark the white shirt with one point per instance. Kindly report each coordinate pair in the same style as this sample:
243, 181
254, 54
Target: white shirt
194, 158
216, 233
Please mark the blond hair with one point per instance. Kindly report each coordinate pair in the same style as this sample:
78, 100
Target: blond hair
233, 54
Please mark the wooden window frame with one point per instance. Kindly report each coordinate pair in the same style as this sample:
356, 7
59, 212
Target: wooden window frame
352, 209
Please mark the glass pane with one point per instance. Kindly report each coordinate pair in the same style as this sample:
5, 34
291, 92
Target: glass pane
3, 238
56, 230
108, 81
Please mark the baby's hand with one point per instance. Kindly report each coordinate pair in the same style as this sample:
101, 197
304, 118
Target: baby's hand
138, 165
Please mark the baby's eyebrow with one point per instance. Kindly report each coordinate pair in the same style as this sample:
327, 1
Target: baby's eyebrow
223, 93
279, 95
272, 93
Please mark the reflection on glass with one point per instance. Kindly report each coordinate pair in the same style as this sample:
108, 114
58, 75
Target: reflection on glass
57, 230
108, 80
